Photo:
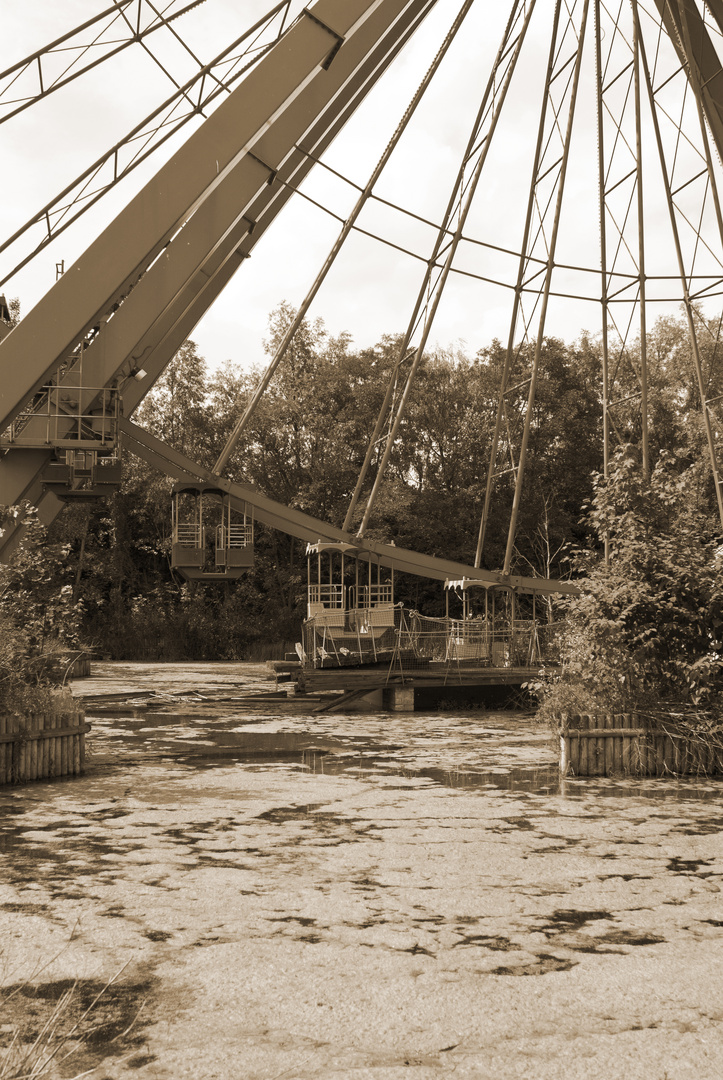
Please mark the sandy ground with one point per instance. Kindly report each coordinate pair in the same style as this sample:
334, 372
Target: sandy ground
282, 895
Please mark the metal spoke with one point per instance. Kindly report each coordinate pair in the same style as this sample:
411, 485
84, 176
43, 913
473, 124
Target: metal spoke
537, 214
86, 53
148, 136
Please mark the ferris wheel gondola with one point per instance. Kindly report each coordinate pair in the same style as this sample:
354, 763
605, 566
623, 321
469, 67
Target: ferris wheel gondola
211, 540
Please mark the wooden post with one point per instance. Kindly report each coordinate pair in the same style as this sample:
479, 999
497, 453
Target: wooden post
564, 754
46, 751
685, 756
617, 742
38, 756
63, 749
609, 722
80, 756
583, 722
601, 723
75, 743
33, 750
669, 752
55, 753
22, 750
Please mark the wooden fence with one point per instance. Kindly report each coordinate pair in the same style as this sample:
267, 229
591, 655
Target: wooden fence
45, 746
79, 668
622, 744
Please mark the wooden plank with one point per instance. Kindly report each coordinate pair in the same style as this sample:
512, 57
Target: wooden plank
24, 754
650, 742
610, 733
63, 753
12, 726
98, 699
55, 744
76, 755
43, 751
607, 743
349, 678
628, 762
33, 756
599, 722
617, 744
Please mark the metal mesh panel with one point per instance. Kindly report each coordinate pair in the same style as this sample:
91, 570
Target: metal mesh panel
387, 633
345, 638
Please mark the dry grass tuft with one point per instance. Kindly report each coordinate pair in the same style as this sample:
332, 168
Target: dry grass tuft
29, 1054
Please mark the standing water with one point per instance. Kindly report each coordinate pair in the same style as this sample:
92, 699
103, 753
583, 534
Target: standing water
288, 894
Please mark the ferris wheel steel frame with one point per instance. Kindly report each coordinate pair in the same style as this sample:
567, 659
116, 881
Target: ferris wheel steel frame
266, 137
86, 59
199, 92
448, 239
347, 227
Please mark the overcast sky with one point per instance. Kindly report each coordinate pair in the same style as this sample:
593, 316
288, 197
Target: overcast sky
372, 288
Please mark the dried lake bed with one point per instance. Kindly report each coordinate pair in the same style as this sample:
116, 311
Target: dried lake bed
277, 894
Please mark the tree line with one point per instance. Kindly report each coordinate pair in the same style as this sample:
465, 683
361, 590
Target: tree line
103, 570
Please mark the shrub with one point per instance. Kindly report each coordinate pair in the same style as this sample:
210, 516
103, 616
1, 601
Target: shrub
646, 630
37, 617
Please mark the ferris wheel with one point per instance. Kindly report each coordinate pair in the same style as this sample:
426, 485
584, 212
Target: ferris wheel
587, 179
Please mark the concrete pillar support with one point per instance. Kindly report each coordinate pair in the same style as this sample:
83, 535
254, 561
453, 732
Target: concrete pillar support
399, 698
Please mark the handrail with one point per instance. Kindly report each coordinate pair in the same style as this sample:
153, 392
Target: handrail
189, 534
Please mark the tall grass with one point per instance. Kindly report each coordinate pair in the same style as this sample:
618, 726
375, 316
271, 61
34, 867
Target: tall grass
33, 1054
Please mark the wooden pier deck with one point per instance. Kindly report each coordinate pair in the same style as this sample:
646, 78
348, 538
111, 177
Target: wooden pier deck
403, 688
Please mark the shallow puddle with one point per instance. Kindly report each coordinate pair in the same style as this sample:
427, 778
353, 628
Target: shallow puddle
206, 741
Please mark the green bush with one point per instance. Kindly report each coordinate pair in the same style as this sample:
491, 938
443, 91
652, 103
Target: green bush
38, 618
646, 631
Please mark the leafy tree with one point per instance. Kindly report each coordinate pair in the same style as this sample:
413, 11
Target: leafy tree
305, 445
647, 627
176, 409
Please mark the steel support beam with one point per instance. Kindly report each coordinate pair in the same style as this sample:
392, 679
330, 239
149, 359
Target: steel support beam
309, 529
170, 298
243, 421
296, 70
685, 9
697, 53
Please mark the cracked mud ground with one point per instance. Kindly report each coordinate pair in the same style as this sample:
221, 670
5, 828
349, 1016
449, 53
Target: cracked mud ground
283, 895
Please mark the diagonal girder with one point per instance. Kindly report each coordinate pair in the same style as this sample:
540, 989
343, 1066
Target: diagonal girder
697, 53
282, 95
189, 101
175, 291
304, 527
77, 57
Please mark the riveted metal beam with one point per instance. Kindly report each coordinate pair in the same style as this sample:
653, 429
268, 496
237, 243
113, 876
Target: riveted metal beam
159, 313
304, 527
126, 250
